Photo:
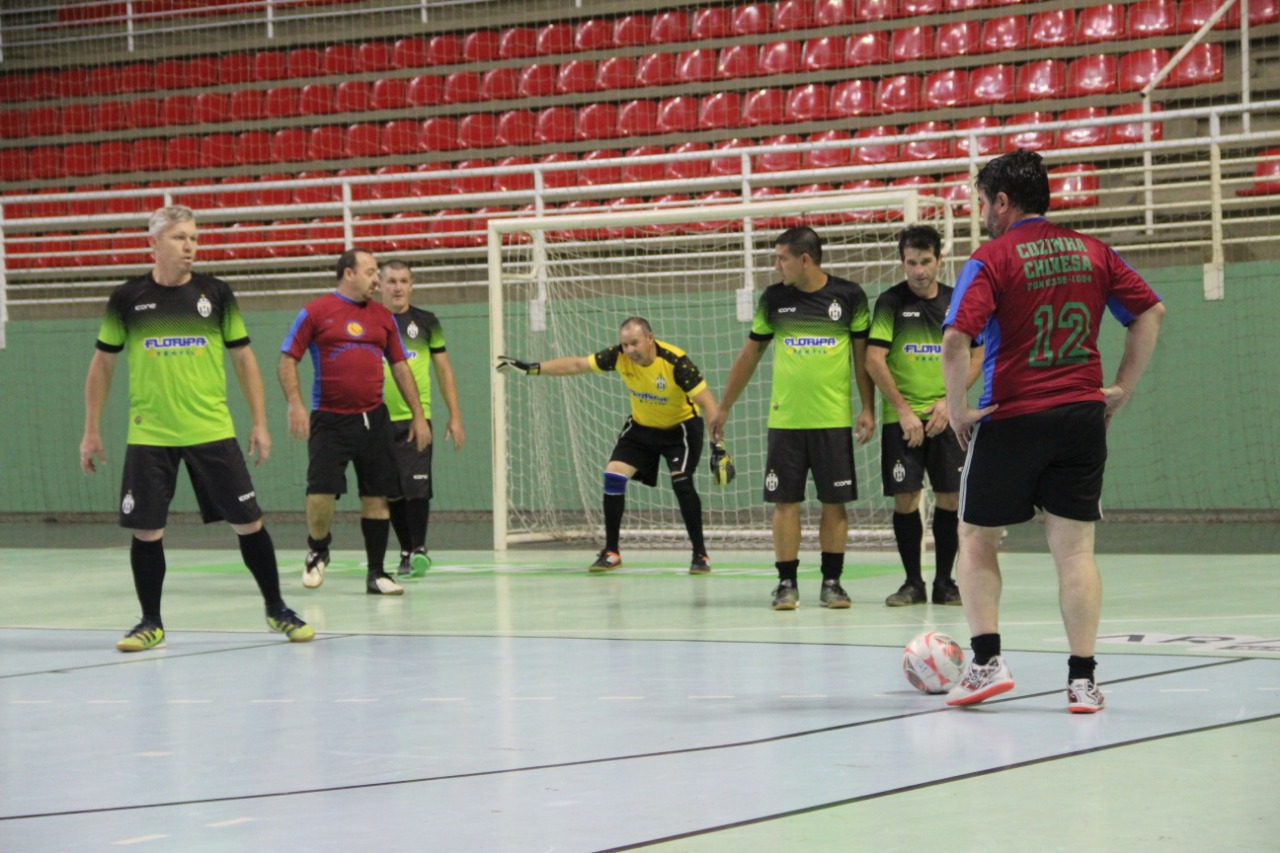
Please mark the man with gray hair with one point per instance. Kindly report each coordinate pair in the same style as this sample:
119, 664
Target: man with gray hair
174, 326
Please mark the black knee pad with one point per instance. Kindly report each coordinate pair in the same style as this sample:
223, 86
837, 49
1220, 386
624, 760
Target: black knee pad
682, 484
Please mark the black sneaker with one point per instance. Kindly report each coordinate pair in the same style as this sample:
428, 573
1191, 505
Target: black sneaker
701, 565
946, 592
285, 621
786, 596
382, 584
833, 595
907, 594
404, 569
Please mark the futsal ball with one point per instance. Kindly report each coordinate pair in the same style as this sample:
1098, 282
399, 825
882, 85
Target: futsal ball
933, 662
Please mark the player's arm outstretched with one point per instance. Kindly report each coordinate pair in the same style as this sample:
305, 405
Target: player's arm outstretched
97, 385
569, 366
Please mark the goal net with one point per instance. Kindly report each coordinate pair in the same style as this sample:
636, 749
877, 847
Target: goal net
561, 285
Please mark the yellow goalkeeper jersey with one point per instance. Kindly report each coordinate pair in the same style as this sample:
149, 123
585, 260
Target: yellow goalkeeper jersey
662, 393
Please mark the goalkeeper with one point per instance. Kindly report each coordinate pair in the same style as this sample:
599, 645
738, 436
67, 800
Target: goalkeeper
668, 400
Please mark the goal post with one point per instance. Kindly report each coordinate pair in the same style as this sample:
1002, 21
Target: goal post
561, 284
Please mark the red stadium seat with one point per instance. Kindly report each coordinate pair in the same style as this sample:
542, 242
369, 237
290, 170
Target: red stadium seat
246, 197
631, 30
143, 155
853, 98
899, 93
616, 72
538, 81
1054, 28
1083, 133
751, 19
352, 96
720, 110
363, 140
359, 191
834, 13
518, 43
957, 189
872, 153
340, 59
15, 165
867, 49
556, 124
93, 248
426, 90
1089, 76
390, 94
77, 160
472, 184
516, 127
181, 152
656, 69
1148, 18
779, 161
926, 149
288, 238
991, 84
103, 80
134, 250
431, 180
827, 158
478, 130
912, 44
611, 174
325, 193
47, 209
711, 22
134, 77
511, 182
289, 145
480, 46
252, 147
1041, 80
738, 60
598, 121
696, 66
110, 115
400, 137
554, 39
210, 108
624, 203
1073, 186
143, 112
407, 232
638, 118
1097, 24
325, 237
808, 103
791, 15
1139, 68
558, 178
1266, 171
764, 106
46, 162
781, 57
328, 142
959, 38
1032, 139
593, 34
823, 54
409, 53
982, 146
439, 133
246, 105
282, 102
13, 123
684, 168
500, 84
72, 83
876, 10
369, 231
75, 118
315, 99
375, 56
637, 173
443, 50
1121, 134
462, 87
1263, 12
945, 90
299, 64
1203, 64
576, 75
177, 110
731, 164
681, 114
1008, 33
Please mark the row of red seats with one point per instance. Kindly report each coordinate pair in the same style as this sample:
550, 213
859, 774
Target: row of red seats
1045, 79
97, 14
1051, 28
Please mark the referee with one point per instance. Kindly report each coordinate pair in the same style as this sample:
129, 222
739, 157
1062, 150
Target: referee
668, 400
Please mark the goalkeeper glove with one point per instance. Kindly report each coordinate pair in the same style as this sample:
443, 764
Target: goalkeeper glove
530, 368
722, 468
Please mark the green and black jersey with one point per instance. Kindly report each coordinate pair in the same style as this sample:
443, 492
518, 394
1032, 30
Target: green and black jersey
911, 329
174, 339
423, 336
812, 368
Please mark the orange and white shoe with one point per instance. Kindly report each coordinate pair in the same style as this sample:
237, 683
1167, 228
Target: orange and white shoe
606, 561
980, 683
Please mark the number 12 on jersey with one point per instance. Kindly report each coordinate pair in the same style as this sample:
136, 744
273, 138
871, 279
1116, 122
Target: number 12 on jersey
1075, 321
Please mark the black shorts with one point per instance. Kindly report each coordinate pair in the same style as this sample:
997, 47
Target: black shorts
903, 468
218, 475
413, 468
1052, 459
793, 453
363, 440
641, 447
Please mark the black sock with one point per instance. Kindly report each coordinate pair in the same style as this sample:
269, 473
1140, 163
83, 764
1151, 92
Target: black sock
946, 541
400, 524
260, 556
320, 544
1078, 667
832, 566
148, 564
376, 532
907, 530
614, 507
787, 570
985, 647
691, 512
418, 514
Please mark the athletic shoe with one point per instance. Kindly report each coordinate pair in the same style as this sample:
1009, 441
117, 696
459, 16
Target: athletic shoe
382, 584
145, 635
404, 568
605, 561
980, 683
285, 621
946, 592
907, 594
419, 562
833, 595
701, 565
1084, 697
786, 596
313, 568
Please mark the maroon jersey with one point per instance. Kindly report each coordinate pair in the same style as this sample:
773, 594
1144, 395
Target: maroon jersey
347, 341
1035, 297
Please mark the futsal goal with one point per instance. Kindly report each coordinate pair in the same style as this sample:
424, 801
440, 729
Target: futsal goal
561, 285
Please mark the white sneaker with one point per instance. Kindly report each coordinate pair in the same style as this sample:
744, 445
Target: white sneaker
980, 683
1084, 697
382, 584
313, 568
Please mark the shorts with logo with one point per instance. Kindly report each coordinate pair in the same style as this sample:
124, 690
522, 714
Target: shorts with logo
1052, 459
219, 477
793, 453
903, 468
414, 468
363, 440
641, 447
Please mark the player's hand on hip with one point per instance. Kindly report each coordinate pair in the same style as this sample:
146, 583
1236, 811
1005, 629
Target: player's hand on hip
529, 368
1115, 397
962, 422
91, 448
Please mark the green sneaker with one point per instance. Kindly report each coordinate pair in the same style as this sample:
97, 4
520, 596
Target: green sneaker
419, 562
285, 621
145, 635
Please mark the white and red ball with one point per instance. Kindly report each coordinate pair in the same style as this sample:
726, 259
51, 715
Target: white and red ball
933, 662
